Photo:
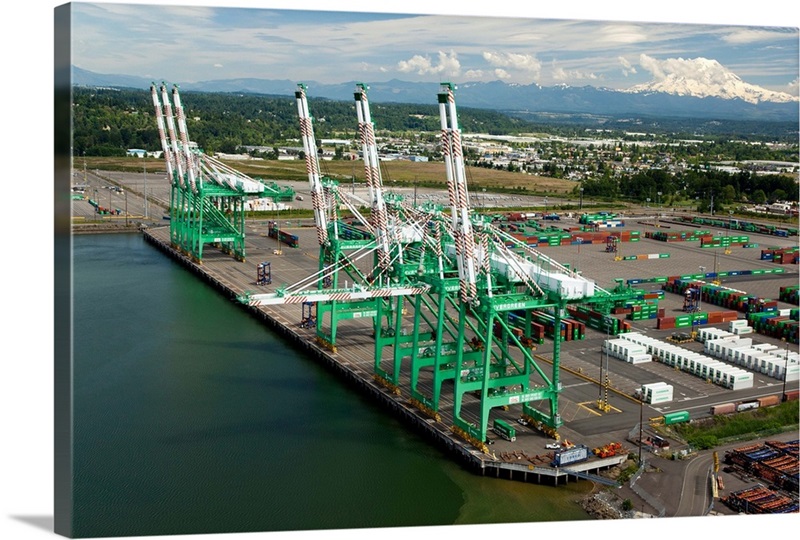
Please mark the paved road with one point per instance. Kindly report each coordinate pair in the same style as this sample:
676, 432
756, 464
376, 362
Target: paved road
694, 499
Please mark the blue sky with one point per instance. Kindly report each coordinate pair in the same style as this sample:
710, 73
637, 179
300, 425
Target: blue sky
194, 41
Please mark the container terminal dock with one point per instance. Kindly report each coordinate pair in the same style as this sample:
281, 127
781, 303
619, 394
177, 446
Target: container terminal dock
527, 458
518, 343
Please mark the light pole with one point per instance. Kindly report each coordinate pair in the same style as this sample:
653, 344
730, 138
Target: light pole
785, 369
581, 206
658, 206
545, 205
702, 271
641, 417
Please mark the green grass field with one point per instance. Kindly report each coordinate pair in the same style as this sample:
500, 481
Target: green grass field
399, 172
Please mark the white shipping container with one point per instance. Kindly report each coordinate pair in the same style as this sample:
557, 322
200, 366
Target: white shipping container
640, 359
766, 347
657, 392
742, 381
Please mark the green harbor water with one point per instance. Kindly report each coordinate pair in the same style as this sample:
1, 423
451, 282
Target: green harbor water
193, 417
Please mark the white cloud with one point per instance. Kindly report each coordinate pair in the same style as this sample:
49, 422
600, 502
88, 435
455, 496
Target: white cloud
752, 35
622, 34
218, 65
448, 64
564, 75
155, 40
521, 62
627, 67
514, 66
703, 69
792, 87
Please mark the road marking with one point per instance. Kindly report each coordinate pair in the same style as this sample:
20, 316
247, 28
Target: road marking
579, 384
583, 406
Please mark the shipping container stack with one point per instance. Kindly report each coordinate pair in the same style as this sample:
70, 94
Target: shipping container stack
536, 331
763, 358
790, 294
571, 329
722, 296
700, 365
739, 225
533, 235
597, 320
775, 324
710, 241
677, 236
787, 255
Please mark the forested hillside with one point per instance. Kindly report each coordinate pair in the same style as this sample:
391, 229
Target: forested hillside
109, 121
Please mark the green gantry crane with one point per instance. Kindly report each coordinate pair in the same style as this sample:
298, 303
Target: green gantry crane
439, 289
207, 198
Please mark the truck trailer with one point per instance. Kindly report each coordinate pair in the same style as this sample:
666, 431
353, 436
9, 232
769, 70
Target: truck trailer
568, 456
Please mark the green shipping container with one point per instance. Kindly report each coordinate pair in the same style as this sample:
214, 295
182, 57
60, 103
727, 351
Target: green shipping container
676, 417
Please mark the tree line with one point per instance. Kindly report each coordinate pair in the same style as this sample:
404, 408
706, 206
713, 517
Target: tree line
107, 122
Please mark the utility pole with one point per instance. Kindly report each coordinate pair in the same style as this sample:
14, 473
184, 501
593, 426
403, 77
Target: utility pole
641, 417
145, 187
602, 400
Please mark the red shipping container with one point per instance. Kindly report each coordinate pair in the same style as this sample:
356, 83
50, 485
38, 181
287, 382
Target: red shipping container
663, 323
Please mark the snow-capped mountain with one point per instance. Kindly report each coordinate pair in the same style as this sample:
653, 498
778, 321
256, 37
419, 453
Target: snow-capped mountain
722, 97
710, 79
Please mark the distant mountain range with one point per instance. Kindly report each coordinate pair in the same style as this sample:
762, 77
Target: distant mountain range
731, 99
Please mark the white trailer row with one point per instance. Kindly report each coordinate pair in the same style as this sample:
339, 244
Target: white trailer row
628, 351
764, 358
697, 364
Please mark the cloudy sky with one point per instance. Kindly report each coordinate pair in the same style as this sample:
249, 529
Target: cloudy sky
198, 41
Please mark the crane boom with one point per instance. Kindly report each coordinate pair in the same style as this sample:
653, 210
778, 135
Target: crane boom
191, 167
341, 295
373, 175
162, 135
312, 166
457, 190
176, 154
